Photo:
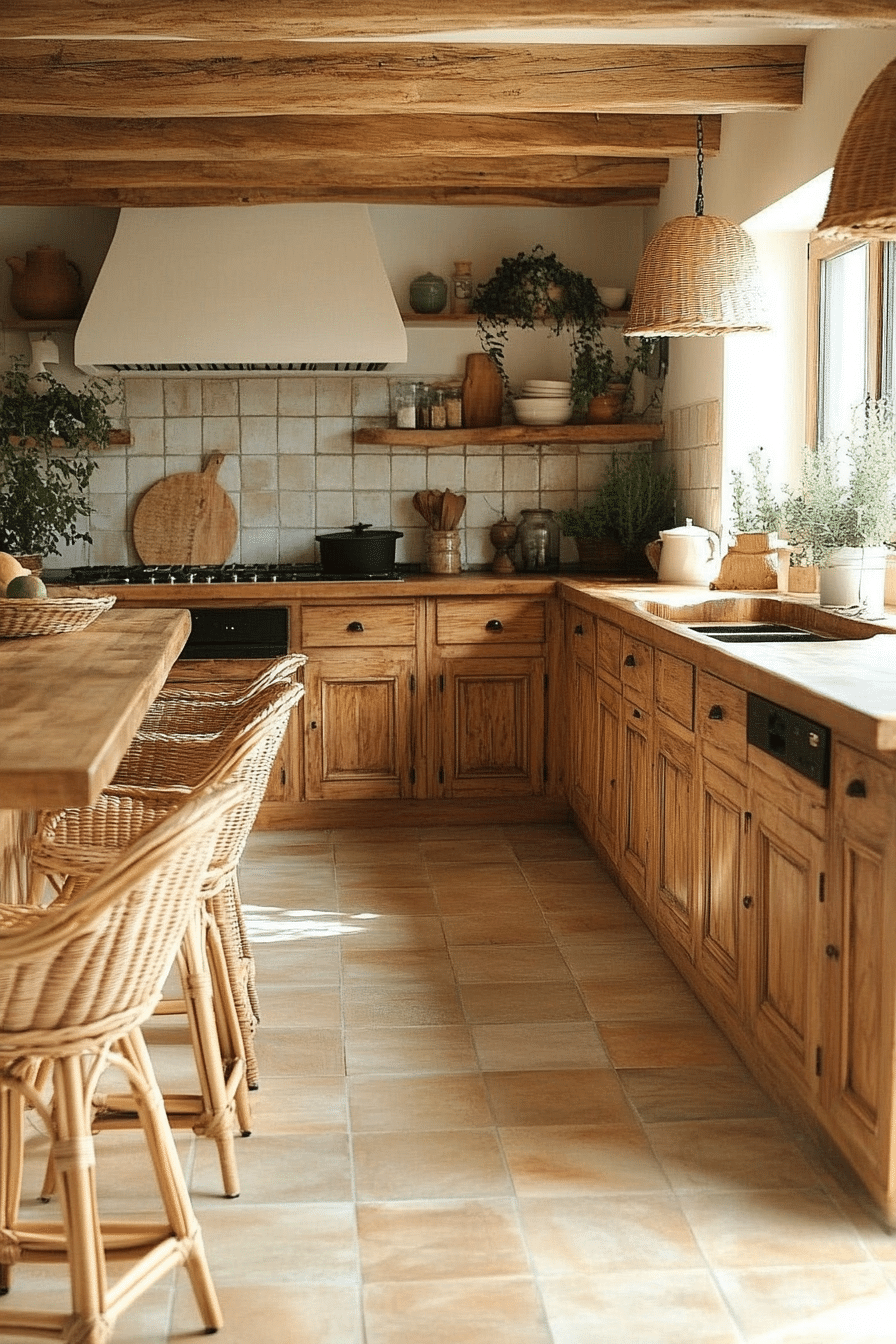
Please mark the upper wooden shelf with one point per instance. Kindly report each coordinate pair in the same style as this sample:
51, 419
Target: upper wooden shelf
40, 324
626, 433
615, 317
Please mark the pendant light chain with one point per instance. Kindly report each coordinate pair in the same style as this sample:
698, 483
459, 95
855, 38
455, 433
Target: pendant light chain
698, 205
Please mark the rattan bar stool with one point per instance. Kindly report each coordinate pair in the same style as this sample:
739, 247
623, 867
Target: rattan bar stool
72, 846
77, 979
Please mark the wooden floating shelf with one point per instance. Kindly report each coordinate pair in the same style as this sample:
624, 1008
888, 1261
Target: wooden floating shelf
41, 324
614, 317
625, 433
118, 436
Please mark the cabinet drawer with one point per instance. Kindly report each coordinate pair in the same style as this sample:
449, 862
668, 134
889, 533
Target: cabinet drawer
609, 644
722, 715
506, 620
674, 688
358, 625
636, 669
863, 792
580, 636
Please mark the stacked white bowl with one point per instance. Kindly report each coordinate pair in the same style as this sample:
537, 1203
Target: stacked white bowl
543, 401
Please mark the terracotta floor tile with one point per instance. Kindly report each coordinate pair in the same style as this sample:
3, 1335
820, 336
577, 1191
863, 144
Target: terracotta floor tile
555, 1160
541, 1045
536, 1001
826, 1304
503, 927
652, 995
419, 1050
659, 1307
366, 965
290, 1006
588, 872
379, 873
440, 1239
432, 1101
466, 1311
299, 1105
569, 1235
308, 961
494, 964
409, 933
404, 1005
292, 1314
313, 1243
752, 1154
548, 842
695, 1093
439, 854
558, 1097
633, 1045
439, 1164
769, 1228
278, 1169
283, 1051
388, 901
512, 899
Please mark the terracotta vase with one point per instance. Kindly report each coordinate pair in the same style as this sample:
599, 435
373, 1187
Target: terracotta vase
607, 407
45, 285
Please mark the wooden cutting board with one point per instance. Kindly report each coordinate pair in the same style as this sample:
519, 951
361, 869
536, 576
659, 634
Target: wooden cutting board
482, 392
186, 519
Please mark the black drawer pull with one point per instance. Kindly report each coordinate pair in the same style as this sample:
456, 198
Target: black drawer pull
636, 713
716, 712
856, 789
832, 951
579, 630
629, 660
356, 627
748, 901
494, 627
313, 723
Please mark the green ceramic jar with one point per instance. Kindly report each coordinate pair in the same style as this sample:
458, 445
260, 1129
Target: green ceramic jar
429, 293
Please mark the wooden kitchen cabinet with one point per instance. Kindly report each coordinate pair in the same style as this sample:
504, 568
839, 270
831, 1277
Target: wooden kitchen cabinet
673, 886
581, 714
724, 906
635, 764
360, 708
489, 674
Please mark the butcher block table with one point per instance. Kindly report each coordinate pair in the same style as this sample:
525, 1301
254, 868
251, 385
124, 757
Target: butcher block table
69, 708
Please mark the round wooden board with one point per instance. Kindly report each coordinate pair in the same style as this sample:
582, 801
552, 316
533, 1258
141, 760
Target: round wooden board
186, 519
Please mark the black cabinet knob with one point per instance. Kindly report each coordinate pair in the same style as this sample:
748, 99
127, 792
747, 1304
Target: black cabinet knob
579, 630
748, 901
832, 951
629, 660
716, 712
494, 627
856, 789
356, 627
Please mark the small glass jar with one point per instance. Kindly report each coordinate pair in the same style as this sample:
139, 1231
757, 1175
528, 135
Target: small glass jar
437, 413
539, 541
454, 406
462, 287
405, 398
424, 393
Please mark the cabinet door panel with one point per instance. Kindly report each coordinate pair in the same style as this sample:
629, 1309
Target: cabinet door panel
721, 950
609, 711
673, 827
493, 727
359, 726
636, 791
582, 726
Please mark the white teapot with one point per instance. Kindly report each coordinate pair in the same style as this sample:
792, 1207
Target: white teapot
686, 554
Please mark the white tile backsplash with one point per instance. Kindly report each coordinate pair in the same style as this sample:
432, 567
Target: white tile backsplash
293, 469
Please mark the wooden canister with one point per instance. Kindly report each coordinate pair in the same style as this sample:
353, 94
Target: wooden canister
443, 552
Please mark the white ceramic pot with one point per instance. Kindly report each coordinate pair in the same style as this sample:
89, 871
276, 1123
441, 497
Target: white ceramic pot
689, 555
854, 576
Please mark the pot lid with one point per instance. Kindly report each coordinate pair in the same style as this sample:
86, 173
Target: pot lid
688, 530
358, 531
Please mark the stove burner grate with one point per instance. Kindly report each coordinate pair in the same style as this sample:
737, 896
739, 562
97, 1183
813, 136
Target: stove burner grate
199, 575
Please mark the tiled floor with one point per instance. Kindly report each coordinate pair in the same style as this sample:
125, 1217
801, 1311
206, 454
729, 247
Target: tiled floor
492, 1113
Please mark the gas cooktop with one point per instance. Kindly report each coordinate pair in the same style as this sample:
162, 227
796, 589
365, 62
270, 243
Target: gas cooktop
97, 575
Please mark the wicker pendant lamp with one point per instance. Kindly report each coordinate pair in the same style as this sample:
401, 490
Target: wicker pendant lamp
699, 276
862, 199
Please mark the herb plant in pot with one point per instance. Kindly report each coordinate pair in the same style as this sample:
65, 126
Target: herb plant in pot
48, 434
602, 382
843, 515
756, 515
633, 503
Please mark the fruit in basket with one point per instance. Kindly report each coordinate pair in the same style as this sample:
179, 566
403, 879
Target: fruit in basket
9, 569
26, 585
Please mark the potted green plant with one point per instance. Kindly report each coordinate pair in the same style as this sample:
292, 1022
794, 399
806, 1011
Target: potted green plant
535, 288
48, 433
602, 381
633, 503
843, 514
756, 514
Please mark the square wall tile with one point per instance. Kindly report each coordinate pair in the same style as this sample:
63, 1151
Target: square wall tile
183, 397
296, 396
258, 396
220, 396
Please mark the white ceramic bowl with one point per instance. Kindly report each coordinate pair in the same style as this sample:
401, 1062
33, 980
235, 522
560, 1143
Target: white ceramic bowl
542, 410
612, 298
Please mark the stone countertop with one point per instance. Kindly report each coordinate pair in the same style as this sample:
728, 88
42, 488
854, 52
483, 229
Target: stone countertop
70, 704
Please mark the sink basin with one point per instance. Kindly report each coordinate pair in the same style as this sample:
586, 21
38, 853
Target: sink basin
762, 620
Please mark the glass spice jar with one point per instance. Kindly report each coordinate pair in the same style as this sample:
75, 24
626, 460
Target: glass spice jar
437, 414
462, 287
405, 397
454, 406
539, 540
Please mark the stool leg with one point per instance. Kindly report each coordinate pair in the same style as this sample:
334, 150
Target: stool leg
230, 1033
12, 1156
170, 1179
74, 1161
240, 967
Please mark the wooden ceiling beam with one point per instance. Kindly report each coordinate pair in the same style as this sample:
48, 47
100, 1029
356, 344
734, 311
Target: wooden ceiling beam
553, 171
223, 139
178, 79
157, 197
221, 20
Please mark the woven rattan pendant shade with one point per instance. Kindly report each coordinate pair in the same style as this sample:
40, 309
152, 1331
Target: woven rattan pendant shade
699, 276
862, 200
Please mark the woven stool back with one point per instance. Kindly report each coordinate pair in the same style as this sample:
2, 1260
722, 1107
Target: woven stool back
200, 712
89, 970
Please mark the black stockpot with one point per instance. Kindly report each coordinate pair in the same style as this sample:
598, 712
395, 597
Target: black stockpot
361, 549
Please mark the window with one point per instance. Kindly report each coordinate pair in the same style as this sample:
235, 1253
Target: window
852, 305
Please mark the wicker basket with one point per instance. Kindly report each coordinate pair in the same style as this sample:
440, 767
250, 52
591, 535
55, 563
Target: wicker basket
21, 616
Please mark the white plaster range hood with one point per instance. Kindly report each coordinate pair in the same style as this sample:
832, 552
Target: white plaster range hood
241, 287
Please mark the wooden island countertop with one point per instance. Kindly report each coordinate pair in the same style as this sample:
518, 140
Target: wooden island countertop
70, 704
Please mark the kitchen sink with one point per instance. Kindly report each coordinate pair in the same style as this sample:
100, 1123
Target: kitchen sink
763, 620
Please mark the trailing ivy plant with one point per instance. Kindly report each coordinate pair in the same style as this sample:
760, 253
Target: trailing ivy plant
48, 434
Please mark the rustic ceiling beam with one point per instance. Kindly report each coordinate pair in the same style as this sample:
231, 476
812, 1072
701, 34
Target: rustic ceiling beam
369, 174
152, 197
221, 20
223, 139
177, 79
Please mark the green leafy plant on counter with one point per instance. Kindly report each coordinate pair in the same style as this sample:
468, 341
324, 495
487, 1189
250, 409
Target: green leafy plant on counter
754, 505
48, 434
635, 500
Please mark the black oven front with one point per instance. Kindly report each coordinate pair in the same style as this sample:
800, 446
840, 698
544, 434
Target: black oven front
238, 632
